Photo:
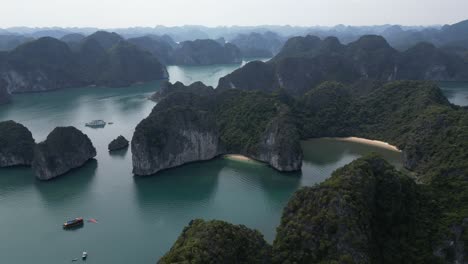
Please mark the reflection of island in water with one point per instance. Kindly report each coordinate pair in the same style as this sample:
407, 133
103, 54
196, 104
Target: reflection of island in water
322, 156
63, 190
179, 188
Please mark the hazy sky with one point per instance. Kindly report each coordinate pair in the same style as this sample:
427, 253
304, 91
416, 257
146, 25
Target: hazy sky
127, 13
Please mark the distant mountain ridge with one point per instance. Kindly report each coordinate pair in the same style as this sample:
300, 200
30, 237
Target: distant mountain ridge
100, 59
304, 62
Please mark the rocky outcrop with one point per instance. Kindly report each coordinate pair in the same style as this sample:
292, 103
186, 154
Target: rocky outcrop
197, 123
65, 148
172, 137
119, 143
16, 144
218, 242
280, 145
206, 52
359, 215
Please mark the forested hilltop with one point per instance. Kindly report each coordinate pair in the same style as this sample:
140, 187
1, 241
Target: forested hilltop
305, 62
100, 59
422, 215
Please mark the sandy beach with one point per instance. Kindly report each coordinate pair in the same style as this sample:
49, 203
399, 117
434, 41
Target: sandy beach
376, 143
237, 157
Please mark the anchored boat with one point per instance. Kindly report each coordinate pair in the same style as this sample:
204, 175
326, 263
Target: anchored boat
73, 223
96, 123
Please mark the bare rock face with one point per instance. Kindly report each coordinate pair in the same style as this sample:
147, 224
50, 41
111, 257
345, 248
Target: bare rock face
65, 148
119, 143
196, 123
280, 146
172, 137
16, 144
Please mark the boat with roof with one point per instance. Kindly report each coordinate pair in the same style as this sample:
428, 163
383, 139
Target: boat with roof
77, 222
96, 123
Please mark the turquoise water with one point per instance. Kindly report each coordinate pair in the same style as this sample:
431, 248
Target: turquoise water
456, 92
138, 218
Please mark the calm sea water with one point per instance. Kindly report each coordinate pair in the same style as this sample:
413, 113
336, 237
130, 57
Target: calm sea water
456, 92
208, 74
138, 218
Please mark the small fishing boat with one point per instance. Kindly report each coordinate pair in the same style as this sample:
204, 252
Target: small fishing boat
96, 123
84, 255
73, 223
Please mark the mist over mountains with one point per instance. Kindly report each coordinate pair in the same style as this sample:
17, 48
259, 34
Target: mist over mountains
400, 37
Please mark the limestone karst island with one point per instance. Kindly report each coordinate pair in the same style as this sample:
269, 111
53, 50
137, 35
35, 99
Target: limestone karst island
234, 132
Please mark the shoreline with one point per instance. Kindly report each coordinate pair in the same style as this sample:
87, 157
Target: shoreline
375, 143
237, 157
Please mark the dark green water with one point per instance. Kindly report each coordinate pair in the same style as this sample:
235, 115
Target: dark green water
456, 92
139, 218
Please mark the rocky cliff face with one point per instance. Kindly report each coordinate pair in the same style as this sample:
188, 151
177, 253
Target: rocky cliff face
64, 149
16, 144
280, 145
119, 143
218, 242
196, 123
172, 137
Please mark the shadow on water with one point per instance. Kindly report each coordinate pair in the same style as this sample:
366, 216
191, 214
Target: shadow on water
330, 151
119, 154
278, 186
73, 228
14, 179
70, 186
189, 185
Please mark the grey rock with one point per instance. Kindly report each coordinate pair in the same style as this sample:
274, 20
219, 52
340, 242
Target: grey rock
187, 125
172, 137
65, 148
119, 143
280, 146
16, 144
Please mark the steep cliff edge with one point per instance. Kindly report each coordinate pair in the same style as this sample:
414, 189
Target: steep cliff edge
170, 137
64, 149
16, 144
196, 123
218, 242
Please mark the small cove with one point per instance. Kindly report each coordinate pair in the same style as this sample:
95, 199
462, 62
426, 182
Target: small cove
138, 217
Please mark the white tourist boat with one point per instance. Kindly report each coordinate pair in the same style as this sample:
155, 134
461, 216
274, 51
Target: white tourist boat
96, 123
